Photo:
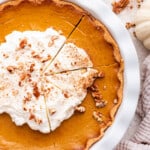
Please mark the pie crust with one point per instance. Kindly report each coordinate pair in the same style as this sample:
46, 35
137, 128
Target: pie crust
81, 130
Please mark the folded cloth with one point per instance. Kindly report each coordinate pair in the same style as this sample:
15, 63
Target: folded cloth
141, 138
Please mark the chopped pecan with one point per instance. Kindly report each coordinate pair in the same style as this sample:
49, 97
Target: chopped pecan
56, 65
24, 75
101, 103
32, 67
29, 95
24, 108
101, 74
33, 117
93, 88
80, 109
66, 94
139, 3
36, 92
43, 60
53, 38
120, 5
52, 111
39, 121
35, 55
97, 116
97, 95
23, 43
20, 83
5, 55
11, 69
27, 98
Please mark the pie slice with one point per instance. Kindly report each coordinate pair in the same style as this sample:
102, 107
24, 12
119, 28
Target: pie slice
21, 100
92, 36
68, 91
70, 57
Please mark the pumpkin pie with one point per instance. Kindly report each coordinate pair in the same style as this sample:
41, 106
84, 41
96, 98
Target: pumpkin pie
81, 74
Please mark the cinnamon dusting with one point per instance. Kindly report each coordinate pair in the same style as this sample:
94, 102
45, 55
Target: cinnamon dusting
5, 55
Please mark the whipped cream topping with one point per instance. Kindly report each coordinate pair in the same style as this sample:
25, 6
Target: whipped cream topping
42, 98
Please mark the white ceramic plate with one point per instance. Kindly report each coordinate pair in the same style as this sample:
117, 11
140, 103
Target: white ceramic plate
131, 74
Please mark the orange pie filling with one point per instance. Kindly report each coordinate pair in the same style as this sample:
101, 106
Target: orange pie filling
82, 80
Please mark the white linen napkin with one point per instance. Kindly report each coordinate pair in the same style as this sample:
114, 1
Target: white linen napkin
141, 139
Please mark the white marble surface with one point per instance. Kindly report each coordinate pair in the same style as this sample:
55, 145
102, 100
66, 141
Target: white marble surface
128, 15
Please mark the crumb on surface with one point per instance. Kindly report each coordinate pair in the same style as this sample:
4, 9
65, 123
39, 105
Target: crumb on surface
120, 5
97, 116
130, 25
139, 3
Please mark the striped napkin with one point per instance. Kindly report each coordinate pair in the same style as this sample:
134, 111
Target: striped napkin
141, 139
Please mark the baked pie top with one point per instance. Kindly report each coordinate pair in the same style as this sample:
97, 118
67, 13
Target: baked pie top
81, 32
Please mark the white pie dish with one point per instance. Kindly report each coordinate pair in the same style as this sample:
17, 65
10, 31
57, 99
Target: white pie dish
131, 72
131, 87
